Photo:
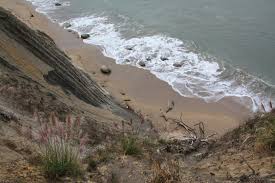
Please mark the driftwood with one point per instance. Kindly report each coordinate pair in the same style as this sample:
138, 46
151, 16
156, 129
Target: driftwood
163, 116
194, 140
196, 133
170, 106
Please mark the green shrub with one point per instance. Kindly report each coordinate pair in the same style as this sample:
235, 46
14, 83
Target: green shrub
61, 147
266, 136
130, 146
59, 158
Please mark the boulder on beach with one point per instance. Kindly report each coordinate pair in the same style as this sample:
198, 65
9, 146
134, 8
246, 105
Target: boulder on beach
178, 64
105, 70
67, 25
129, 47
57, 4
163, 58
148, 58
85, 36
141, 63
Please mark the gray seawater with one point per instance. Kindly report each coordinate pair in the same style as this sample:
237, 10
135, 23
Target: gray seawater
226, 48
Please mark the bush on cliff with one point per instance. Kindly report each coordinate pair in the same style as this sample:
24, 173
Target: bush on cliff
61, 145
130, 146
266, 136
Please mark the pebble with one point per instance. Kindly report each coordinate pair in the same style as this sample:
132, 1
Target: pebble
142, 64
105, 70
85, 36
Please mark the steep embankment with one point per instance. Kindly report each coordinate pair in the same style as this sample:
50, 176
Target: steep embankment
38, 79
60, 71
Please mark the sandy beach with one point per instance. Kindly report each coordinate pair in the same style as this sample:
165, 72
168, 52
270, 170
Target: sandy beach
132, 86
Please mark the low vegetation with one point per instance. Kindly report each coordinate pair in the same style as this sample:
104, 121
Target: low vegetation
165, 172
130, 146
61, 147
59, 158
265, 137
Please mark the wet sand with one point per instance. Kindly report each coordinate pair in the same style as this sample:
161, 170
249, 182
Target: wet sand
136, 87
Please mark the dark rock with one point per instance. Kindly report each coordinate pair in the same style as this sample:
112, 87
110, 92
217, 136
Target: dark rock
163, 58
73, 32
85, 36
142, 64
58, 4
127, 60
105, 70
148, 58
67, 25
244, 178
177, 64
32, 15
129, 48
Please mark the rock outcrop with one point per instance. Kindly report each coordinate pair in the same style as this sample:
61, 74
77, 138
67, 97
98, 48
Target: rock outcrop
62, 72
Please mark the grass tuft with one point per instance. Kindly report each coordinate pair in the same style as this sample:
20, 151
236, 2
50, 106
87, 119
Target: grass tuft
59, 158
165, 172
61, 147
266, 136
130, 146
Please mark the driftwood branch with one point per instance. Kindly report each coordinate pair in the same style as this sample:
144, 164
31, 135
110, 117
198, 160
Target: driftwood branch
196, 133
170, 106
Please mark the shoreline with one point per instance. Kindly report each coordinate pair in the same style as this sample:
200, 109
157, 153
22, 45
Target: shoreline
146, 93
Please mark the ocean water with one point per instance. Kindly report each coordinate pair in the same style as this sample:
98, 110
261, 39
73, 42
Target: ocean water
226, 48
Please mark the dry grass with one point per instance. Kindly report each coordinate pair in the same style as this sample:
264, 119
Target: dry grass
265, 136
130, 146
165, 172
61, 147
59, 158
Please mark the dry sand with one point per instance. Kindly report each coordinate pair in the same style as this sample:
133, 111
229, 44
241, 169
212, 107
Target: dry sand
146, 93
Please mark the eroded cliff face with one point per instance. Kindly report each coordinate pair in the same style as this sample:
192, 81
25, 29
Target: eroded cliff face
52, 64
39, 81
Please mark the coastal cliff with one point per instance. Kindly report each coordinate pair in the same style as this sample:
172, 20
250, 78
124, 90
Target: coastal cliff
41, 86
61, 71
